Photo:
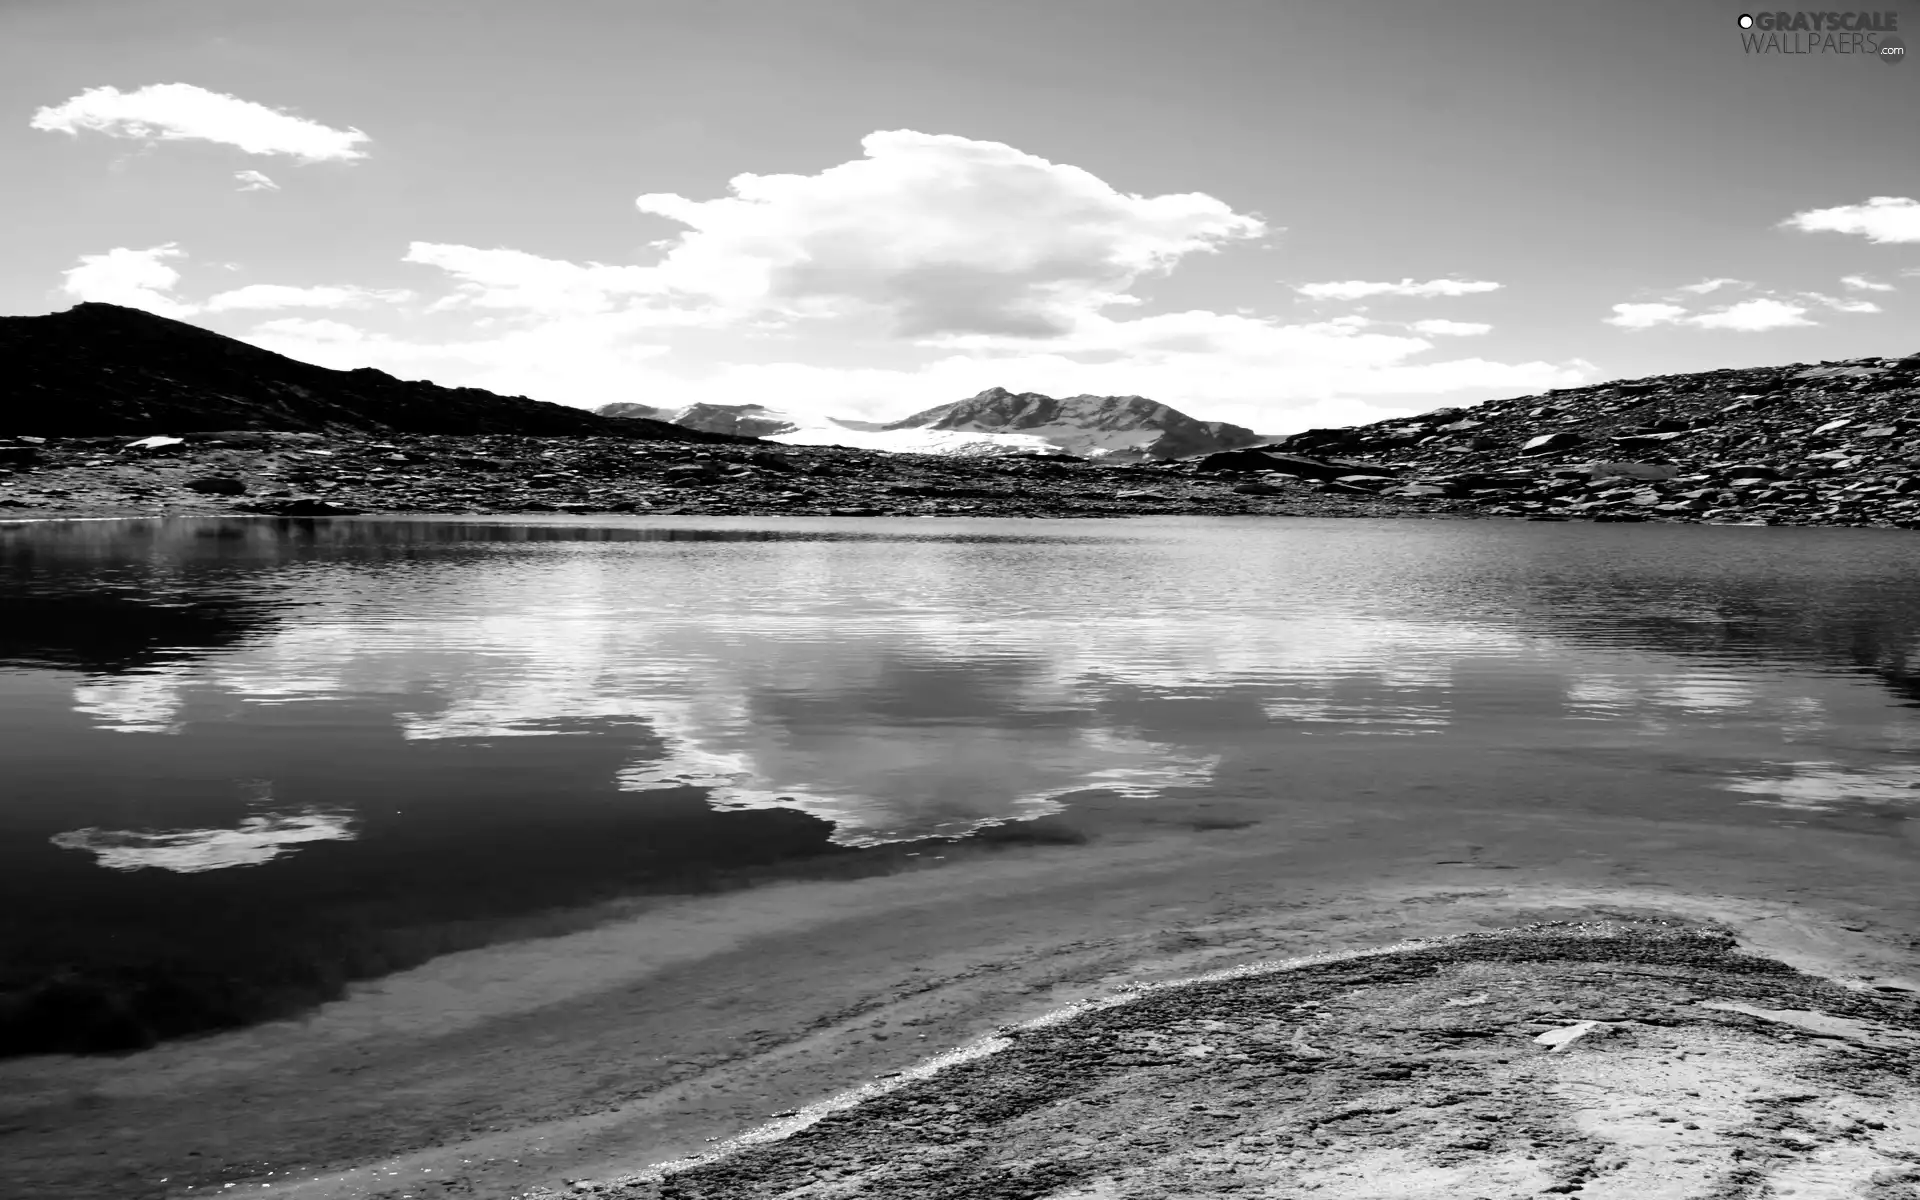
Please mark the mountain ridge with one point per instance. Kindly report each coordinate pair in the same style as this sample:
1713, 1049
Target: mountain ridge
100, 369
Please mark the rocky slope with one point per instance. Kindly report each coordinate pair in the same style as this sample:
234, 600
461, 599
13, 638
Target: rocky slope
100, 369
1835, 443
1819, 444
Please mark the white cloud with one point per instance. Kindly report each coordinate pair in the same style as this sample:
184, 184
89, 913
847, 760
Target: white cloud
1439, 327
171, 112
1861, 283
986, 266
1354, 289
1842, 305
1881, 219
273, 295
516, 280
1249, 371
940, 235
254, 181
1706, 286
1753, 316
134, 278
1645, 316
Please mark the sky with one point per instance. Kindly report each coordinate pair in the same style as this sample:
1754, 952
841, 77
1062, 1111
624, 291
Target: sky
1279, 215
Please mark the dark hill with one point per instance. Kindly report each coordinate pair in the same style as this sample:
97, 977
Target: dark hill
100, 369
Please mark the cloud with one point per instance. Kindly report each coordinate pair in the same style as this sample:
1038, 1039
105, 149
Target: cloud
1748, 316
516, 280
1861, 283
1881, 219
1354, 289
273, 295
1438, 327
134, 278
1645, 316
1251, 371
1839, 304
953, 265
939, 235
254, 181
170, 112
1713, 285
1753, 316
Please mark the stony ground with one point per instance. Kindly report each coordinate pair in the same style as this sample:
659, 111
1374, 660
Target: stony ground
1805, 444
305, 474
1620, 1059
318, 475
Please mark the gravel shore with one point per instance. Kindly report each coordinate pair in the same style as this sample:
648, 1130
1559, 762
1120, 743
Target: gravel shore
1622, 1058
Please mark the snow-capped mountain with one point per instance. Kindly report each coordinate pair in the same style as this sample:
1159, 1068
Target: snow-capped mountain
995, 422
1090, 426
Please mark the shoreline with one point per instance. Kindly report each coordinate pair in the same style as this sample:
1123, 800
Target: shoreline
1059, 1104
590, 1055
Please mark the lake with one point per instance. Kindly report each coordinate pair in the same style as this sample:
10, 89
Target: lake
249, 761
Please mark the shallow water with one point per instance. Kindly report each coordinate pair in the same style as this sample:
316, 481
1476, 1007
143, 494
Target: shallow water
246, 760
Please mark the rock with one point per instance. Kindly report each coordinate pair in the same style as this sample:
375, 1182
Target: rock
19, 456
1298, 465
1634, 470
301, 506
216, 485
150, 444
1547, 443
1257, 488
853, 512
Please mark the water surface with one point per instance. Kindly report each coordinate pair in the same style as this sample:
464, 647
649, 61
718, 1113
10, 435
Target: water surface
248, 760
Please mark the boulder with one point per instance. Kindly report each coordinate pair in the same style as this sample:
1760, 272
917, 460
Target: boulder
1547, 443
1273, 460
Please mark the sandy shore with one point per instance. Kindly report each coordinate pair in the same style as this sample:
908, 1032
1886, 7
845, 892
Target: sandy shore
503, 1071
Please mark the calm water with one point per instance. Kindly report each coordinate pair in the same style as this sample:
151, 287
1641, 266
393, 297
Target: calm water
245, 761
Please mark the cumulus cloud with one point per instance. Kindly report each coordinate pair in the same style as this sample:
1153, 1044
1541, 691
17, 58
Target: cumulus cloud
1438, 327
170, 112
134, 278
986, 265
1706, 286
273, 295
1881, 219
1753, 316
1645, 316
254, 181
941, 235
1861, 283
1355, 289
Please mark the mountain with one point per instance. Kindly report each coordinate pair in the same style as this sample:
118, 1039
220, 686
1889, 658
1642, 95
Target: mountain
100, 369
1089, 426
995, 422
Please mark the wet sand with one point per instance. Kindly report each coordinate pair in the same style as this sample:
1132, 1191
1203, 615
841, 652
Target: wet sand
501, 1071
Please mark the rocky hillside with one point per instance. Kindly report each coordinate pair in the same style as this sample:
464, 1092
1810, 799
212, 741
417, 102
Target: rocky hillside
1826, 443
100, 369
